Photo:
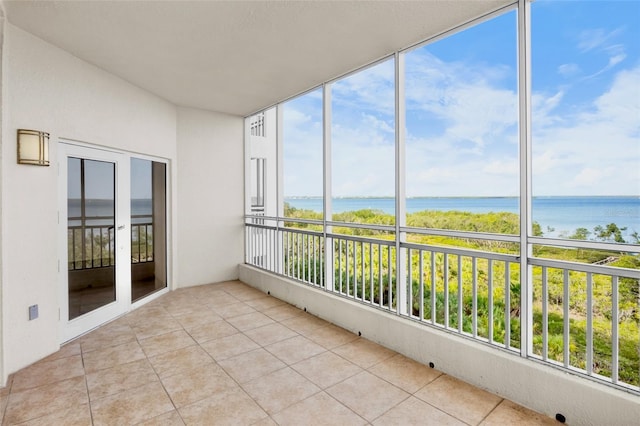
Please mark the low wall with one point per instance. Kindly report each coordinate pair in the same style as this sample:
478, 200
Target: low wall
530, 383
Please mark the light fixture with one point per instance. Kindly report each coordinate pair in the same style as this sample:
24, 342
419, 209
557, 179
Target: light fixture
33, 147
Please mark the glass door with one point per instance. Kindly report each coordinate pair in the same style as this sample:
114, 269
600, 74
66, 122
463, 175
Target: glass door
113, 235
95, 228
148, 227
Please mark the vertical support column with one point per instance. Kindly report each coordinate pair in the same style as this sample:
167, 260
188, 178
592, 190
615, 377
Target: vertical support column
247, 184
402, 286
524, 94
279, 254
326, 175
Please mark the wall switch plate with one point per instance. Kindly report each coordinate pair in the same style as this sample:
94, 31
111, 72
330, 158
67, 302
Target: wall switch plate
33, 312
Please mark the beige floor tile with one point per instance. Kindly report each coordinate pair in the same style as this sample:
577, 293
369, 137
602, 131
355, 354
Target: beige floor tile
149, 312
4, 391
112, 356
232, 407
509, 413
131, 406
122, 377
124, 385
45, 372
280, 389
264, 303
166, 342
180, 361
155, 327
172, 418
413, 411
218, 299
250, 321
196, 317
232, 285
364, 352
178, 307
367, 395
234, 310
34, 403
245, 293
269, 334
405, 373
3, 404
67, 350
214, 330
267, 421
304, 323
326, 369
283, 312
331, 336
75, 415
459, 399
251, 365
197, 384
319, 409
230, 346
112, 334
295, 349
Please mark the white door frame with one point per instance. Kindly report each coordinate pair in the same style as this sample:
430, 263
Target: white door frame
70, 329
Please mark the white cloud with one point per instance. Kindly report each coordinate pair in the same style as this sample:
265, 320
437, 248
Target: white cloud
568, 70
465, 141
503, 167
596, 38
593, 148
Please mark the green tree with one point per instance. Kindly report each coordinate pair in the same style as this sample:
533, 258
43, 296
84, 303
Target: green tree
609, 233
580, 234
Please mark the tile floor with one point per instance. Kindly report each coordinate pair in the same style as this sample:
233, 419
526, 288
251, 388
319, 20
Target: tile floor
229, 354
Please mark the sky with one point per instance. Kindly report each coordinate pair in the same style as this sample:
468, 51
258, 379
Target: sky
462, 112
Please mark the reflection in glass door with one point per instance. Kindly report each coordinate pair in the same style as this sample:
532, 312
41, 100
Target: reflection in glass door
148, 228
91, 243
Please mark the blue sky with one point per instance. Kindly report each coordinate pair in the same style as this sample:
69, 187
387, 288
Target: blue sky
462, 106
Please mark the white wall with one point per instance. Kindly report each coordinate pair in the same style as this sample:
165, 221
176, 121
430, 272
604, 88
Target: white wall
531, 384
45, 88
210, 196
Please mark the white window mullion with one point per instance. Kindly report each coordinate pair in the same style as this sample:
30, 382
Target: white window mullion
524, 94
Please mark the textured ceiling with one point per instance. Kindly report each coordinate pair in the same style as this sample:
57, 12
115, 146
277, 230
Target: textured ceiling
236, 56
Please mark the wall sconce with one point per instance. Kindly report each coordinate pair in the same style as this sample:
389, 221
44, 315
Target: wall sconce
33, 147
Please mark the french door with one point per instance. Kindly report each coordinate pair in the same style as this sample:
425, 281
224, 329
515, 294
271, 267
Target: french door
112, 235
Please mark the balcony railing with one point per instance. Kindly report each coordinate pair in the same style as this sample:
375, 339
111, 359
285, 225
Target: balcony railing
475, 294
93, 246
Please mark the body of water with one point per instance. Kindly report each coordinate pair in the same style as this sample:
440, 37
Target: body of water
105, 208
562, 214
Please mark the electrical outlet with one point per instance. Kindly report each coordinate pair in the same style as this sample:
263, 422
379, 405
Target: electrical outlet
33, 312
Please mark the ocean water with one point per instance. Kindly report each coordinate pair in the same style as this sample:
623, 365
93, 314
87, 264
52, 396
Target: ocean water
556, 215
105, 208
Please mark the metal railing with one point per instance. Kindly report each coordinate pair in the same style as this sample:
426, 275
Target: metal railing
584, 318
142, 242
90, 246
93, 246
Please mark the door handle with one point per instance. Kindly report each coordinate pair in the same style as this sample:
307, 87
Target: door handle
120, 228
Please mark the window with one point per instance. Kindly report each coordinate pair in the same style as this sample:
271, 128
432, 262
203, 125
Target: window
462, 130
586, 133
363, 144
303, 156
